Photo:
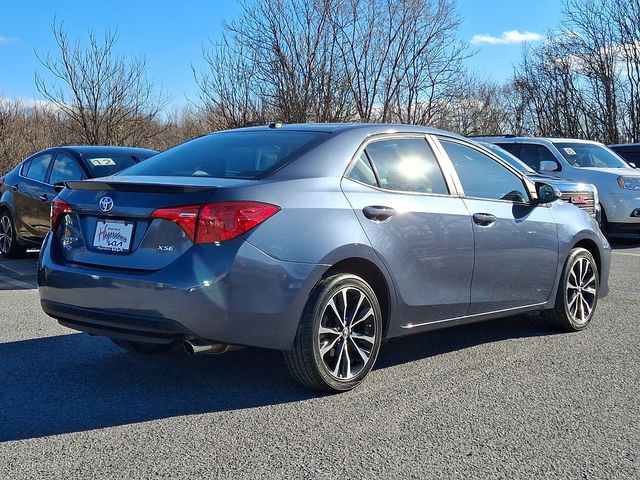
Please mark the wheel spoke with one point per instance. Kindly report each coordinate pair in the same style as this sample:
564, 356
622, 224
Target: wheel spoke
336, 370
366, 338
357, 309
347, 360
589, 290
328, 346
328, 331
344, 306
333, 306
363, 355
366, 315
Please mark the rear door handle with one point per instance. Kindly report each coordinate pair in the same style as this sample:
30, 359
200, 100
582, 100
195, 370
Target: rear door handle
44, 197
15, 187
378, 213
484, 219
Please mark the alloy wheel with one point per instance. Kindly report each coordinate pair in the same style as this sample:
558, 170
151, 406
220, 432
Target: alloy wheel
581, 290
347, 333
6, 234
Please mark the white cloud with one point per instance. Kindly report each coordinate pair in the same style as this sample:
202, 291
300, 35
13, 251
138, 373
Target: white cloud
8, 40
507, 38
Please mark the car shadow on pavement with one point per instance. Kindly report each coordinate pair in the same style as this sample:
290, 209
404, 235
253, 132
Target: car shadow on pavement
623, 242
73, 383
19, 274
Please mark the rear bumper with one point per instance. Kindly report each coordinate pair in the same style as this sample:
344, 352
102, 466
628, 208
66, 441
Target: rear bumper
127, 327
231, 293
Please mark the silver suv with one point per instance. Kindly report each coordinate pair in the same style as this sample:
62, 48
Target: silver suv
618, 183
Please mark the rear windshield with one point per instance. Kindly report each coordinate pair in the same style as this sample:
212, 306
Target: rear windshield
110, 164
590, 155
230, 154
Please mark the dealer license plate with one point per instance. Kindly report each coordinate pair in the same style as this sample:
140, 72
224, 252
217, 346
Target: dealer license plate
113, 235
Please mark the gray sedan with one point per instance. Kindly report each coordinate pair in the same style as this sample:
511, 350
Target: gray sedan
318, 240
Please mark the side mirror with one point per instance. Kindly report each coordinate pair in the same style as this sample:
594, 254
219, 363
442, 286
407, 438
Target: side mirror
633, 165
547, 193
58, 187
548, 166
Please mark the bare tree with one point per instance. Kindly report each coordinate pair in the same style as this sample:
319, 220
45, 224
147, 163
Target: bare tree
106, 98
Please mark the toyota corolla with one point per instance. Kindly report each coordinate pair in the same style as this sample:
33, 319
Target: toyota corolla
317, 240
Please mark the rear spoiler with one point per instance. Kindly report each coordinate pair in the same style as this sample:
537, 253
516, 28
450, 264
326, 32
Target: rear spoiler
109, 186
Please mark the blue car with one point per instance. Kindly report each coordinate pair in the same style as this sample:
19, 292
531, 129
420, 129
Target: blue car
319, 240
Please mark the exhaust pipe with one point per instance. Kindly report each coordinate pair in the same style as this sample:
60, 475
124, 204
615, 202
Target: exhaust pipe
195, 347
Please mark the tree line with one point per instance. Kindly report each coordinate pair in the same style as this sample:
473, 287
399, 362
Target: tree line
342, 61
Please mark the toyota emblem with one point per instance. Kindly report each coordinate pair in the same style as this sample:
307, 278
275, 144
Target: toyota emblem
106, 204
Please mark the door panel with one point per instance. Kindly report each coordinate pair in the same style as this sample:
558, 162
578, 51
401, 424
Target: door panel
427, 246
516, 244
422, 233
516, 256
32, 197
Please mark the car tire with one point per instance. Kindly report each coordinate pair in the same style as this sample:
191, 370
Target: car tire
339, 335
577, 294
604, 224
9, 247
142, 347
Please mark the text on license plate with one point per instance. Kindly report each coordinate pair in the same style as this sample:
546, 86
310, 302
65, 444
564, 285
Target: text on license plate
113, 235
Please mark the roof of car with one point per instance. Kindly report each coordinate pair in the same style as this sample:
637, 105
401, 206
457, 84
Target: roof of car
93, 149
343, 127
624, 145
507, 139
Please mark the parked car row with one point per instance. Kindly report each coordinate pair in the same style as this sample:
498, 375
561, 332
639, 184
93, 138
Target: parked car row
583, 161
26, 192
319, 240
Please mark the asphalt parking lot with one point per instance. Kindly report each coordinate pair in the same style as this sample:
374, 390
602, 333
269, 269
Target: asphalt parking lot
504, 399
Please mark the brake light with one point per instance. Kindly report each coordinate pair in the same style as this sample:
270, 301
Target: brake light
186, 217
217, 222
58, 208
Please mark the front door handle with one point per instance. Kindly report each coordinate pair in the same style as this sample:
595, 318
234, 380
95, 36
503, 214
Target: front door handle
378, 213
44, 197
484, 219
15, 187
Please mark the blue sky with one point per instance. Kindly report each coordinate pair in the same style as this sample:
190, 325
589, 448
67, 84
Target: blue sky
171, 35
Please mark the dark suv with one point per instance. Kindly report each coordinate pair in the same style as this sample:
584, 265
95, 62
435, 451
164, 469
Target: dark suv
26, 191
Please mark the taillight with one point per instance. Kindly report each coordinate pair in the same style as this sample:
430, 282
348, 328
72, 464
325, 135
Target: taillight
186, 217
58, 208
217, 222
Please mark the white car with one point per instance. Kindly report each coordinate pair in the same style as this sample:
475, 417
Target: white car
618, 183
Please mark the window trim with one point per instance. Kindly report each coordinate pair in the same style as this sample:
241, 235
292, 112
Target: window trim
526, 183
391, 136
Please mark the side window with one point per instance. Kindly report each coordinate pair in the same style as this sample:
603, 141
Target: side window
363, 172
37, 168
65, 168
482, 177
407, 165
512, 148
533, 154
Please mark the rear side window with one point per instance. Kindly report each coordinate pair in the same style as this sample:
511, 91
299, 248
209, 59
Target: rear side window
36, 169
65, 169
362, 171
407, 165
533, 154
238, 154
